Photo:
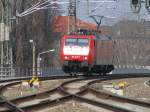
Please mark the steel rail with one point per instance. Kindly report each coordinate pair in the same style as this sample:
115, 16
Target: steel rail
12, 82
34, 96
66, 97
78, 76
107, 95
10, 105
8, 85
137, 102
73, 96
48, 103
86, 89
76, 97
26, 98
119, 98
7, 103
101, 104
40, 78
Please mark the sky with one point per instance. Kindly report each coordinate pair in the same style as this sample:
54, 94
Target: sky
118, 10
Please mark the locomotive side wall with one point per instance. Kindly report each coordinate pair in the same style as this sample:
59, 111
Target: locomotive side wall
103, 52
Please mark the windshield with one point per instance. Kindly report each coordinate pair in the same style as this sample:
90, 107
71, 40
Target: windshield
77, 41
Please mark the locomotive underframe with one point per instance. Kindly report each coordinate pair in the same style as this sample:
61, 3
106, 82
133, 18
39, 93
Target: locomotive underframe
73, 67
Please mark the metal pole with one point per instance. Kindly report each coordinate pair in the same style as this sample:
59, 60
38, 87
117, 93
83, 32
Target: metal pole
2, 13
2, 34
39, 60
75, 21
68, 24
33, 58
38, 65
87, 7
72, 13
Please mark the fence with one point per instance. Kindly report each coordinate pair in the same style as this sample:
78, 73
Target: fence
7, 72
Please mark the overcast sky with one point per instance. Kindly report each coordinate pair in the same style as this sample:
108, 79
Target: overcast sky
119, 10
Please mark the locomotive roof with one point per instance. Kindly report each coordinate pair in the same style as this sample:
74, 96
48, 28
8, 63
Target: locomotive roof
77, 35
97, 37
103, 37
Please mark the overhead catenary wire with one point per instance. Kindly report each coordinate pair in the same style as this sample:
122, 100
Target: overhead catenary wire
34, 10
38, 6
48, 8
31, 8
45, 5
98, 1
93, 16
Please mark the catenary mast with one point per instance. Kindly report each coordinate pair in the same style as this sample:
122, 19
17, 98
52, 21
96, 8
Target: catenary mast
5, 45
72, 14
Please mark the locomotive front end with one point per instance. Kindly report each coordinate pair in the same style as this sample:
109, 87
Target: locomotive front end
76, 53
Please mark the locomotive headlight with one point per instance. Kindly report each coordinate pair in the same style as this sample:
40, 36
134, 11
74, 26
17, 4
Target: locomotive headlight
66, 57
85, 58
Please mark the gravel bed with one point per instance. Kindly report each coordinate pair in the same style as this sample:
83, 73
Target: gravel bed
136, 88
73, 106
19, 90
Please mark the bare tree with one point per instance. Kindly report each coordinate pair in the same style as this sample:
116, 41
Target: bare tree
35, 26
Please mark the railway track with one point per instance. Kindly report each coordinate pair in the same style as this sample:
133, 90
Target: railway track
10, 105
6, 104
113, 102
79, 90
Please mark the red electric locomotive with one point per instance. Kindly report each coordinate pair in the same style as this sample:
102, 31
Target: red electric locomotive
86, 54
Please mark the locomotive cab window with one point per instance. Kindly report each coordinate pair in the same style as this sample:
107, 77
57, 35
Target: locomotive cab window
77, 41
71, 41
83, 42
